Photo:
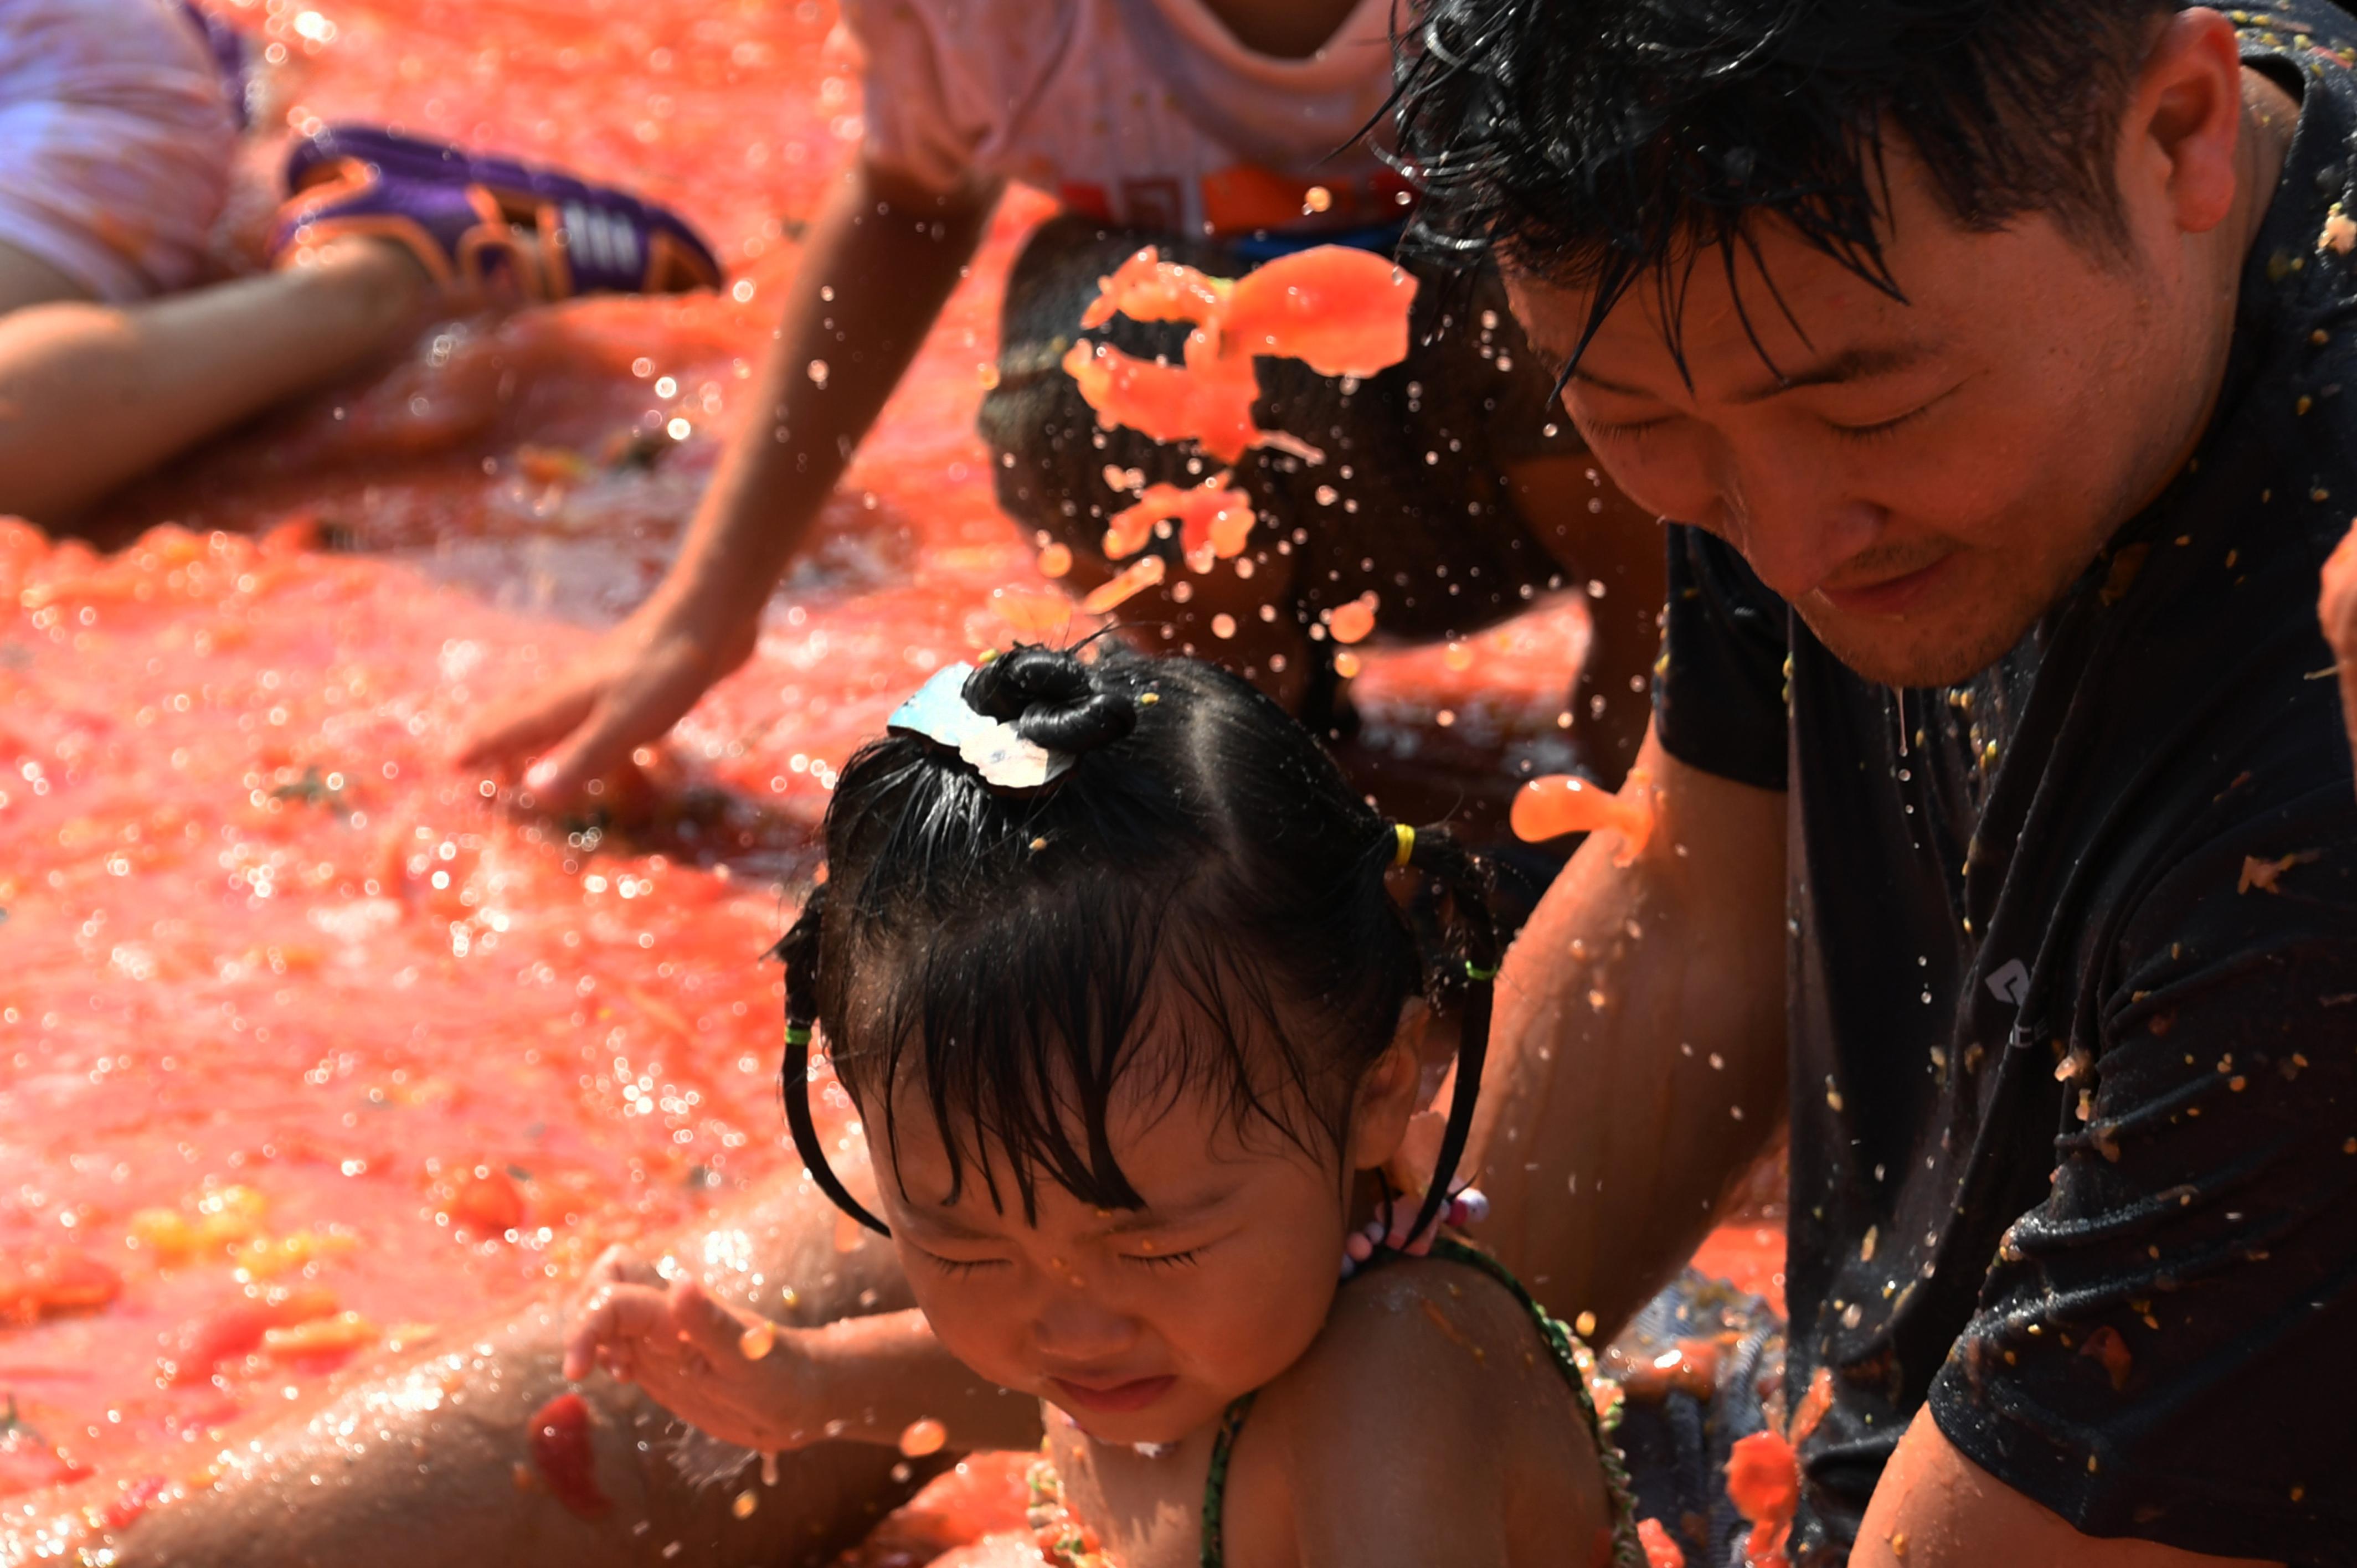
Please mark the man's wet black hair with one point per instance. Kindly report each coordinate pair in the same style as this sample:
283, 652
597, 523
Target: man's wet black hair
1203, 878
1608, 144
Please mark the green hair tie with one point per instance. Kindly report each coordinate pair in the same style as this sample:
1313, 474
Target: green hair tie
797, 1034
1472, 973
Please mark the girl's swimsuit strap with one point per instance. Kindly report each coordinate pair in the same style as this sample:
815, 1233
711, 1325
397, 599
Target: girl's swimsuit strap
1563, 1346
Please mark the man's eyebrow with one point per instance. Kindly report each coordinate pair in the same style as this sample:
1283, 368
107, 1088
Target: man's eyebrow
1850, 365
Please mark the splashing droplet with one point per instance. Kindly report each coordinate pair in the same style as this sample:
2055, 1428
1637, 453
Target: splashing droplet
923, 1436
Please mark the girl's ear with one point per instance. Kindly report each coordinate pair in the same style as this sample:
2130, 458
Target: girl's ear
1388, 1093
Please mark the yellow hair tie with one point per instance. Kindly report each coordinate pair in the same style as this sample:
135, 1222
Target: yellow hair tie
1406, 844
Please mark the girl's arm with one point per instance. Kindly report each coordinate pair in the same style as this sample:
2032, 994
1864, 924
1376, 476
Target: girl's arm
882, 258
767, 1387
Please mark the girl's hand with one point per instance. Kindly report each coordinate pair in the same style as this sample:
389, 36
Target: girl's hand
742, 1379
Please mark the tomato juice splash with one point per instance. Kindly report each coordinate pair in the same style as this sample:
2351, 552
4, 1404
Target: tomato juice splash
306, 1046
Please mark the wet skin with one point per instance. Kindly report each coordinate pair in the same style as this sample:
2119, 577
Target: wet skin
437, 1468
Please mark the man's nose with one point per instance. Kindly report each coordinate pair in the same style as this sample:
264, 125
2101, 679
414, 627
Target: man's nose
1794, 530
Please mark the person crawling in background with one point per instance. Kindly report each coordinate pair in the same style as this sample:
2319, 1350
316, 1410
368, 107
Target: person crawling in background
1106, 962
119, 123
1225, 134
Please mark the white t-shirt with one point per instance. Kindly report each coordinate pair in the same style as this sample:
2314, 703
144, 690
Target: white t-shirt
1138, 111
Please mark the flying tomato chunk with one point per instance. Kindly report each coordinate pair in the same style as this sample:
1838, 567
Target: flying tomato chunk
1148, 288
1214, 521
1207, 402
1341, 312
1763, 1482
1564, 803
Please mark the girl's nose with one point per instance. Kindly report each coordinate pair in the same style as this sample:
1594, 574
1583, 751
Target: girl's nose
1073, 1326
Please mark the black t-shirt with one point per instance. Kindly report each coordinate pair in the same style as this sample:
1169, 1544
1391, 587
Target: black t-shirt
2073, 1009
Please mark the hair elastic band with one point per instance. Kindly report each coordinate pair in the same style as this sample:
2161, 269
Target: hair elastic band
1406, 844
1472, 973
798, 1034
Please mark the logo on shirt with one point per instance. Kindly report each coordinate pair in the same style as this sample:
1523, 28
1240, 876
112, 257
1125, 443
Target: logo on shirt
2011, 984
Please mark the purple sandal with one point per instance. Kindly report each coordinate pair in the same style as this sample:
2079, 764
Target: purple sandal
474, 220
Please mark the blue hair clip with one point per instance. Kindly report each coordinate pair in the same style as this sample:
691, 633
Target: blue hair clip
938, 713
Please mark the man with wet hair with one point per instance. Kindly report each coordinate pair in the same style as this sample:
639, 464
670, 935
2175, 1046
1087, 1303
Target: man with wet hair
1987, 361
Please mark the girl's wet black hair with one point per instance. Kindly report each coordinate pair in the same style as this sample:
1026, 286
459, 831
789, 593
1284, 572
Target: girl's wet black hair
1203, 876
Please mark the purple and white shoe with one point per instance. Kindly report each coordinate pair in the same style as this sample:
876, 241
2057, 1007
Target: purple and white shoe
232, 57
480, 224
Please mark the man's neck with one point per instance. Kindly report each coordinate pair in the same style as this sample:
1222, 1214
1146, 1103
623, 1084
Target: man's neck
2270, 115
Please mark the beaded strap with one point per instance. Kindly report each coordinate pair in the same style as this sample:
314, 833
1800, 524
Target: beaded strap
1215, 1483
1572, 1357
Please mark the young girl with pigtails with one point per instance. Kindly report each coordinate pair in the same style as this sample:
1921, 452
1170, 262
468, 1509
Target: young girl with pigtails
1108, 963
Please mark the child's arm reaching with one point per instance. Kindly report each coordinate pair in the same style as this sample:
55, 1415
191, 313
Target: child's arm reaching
766, 1387
882, 258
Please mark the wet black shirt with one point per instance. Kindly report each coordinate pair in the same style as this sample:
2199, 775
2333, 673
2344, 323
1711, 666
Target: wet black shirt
2073, 1013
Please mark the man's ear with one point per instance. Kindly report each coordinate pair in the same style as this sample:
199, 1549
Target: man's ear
2184, 123
1388, 1093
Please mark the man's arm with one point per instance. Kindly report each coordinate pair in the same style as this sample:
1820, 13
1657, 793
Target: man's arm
1638, 1055
2337, 610
882, 259
1935, 1509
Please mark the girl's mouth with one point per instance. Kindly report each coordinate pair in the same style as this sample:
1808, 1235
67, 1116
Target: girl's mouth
1116, 1399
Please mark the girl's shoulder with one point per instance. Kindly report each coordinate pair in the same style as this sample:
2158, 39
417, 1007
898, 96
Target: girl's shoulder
1432, 1380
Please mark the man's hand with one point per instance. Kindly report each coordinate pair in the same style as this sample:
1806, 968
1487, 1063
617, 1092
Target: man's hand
639, 679
2337, 607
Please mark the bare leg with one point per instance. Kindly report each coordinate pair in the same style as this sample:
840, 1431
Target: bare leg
92, 395
426, 1461
1602, 537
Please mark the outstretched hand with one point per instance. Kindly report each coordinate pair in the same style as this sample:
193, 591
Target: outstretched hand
629, 690
739, 1378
